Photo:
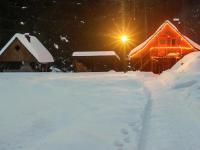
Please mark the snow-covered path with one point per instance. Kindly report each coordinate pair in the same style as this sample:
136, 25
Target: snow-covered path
174, 121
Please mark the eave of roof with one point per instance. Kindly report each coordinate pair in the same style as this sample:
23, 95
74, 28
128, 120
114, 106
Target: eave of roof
94, 54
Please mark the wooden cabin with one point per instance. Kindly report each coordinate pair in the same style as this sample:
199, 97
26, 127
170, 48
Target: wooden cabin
25, 53
162, 50
95, 61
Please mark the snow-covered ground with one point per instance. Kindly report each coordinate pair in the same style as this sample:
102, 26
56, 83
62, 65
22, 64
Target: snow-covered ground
85, 111
102, 111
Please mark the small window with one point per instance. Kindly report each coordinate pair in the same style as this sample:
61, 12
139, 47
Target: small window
173, 42
17, 48
162, 41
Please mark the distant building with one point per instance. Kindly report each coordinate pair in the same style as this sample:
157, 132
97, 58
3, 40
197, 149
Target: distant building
24, 52
162, 50
96, 61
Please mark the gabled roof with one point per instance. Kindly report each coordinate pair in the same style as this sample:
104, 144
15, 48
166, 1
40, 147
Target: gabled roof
95, 53
34, 46
142, 45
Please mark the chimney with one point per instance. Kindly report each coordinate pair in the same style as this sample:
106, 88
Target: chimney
27, 35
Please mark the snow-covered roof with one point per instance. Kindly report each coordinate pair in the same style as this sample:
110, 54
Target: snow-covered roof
195, 45
95, 53
34, 46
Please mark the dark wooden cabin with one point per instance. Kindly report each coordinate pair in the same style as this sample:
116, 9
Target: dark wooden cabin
162, 50
25, 53
96, 61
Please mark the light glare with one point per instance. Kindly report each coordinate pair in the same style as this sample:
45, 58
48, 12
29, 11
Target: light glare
124, 38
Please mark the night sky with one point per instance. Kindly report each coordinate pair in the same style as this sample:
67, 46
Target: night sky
87, 24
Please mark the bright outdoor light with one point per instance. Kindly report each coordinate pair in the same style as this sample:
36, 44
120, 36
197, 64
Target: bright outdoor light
124, 38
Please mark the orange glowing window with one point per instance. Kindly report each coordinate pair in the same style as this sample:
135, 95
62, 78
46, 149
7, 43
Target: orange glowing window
174, 42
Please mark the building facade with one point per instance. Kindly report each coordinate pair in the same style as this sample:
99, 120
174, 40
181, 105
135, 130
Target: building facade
95, 61
25, 53
162, 50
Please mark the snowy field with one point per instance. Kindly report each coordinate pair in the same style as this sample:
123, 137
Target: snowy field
102, 111
70, 111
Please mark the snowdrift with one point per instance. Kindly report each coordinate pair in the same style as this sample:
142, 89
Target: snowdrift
187, 68
189, 64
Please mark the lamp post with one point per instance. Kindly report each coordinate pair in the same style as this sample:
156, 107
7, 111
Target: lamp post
124, 39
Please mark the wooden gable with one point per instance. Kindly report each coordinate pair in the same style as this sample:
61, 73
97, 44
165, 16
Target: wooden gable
17, 52
167, 38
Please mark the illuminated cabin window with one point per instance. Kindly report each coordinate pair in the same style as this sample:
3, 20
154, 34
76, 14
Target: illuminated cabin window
173, 42
17, 48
